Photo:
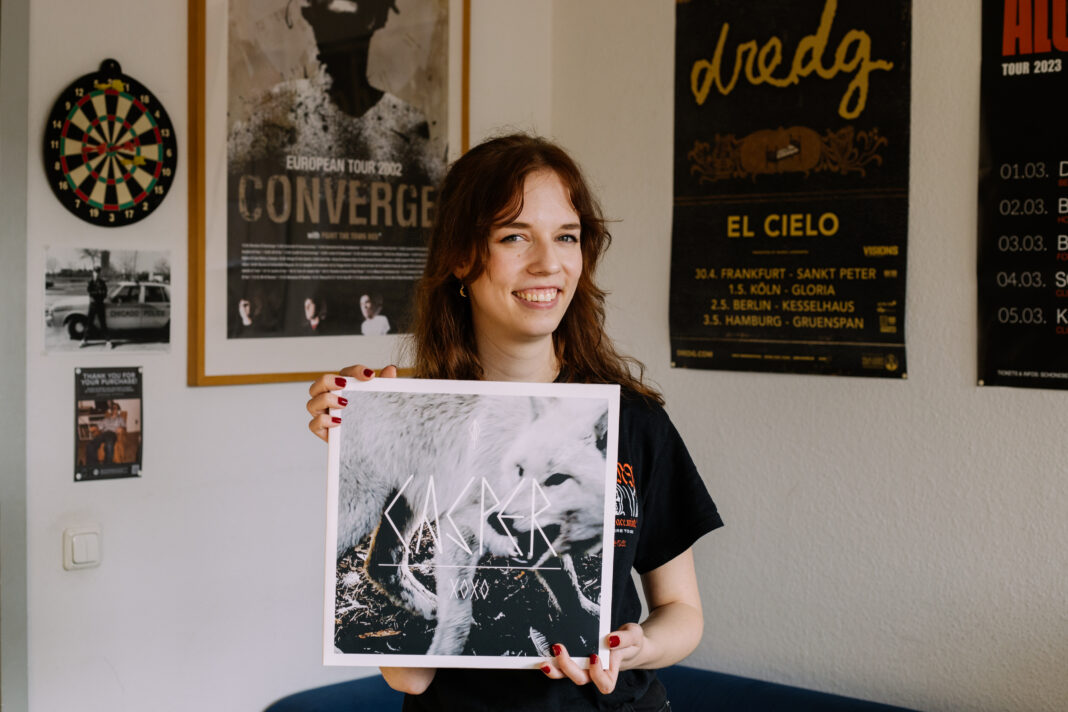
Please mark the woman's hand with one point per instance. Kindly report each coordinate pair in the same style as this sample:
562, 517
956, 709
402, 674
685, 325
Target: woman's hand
670, 633
624, 645
324, 397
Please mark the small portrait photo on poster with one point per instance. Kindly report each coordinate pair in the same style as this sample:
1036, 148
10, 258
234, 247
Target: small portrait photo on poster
470, 523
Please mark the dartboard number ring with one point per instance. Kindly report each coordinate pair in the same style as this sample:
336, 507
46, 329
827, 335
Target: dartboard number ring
109, 148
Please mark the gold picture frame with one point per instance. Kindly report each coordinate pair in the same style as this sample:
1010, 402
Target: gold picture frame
271, 360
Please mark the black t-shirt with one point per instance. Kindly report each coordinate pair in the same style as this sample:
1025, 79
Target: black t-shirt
662, 508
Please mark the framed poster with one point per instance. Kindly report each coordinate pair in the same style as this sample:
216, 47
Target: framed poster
1023, 197
318, 133
470, 523
790, 215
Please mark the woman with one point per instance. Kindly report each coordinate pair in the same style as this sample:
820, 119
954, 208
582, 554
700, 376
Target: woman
508, 295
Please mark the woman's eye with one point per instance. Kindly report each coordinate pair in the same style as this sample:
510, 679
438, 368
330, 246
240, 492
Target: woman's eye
568, 238
511, 238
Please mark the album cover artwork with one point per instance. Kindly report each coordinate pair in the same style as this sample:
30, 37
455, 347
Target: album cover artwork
470, 523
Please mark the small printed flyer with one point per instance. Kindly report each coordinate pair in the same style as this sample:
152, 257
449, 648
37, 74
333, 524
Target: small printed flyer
107, 423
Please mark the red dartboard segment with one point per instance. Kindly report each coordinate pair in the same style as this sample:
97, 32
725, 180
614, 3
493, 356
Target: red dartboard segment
106, 150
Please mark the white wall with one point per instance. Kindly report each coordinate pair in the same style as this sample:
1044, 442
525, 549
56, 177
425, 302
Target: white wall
897, 540
209, 594
902, 541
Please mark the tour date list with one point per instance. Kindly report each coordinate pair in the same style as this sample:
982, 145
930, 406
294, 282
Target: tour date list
1023, 196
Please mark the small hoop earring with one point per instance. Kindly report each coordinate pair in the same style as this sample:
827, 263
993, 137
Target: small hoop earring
462, 292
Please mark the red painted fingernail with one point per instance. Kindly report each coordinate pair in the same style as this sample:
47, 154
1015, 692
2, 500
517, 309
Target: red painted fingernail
613, 641
340, 382
335, 419
556, 650
342, 401
368, 372
546, 669
593, 659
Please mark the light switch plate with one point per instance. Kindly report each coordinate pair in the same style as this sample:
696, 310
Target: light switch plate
81, 547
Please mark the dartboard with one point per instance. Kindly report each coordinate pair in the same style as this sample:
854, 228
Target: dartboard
109, 148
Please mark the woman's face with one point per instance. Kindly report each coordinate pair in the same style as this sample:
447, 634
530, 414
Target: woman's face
309, 309
533, 267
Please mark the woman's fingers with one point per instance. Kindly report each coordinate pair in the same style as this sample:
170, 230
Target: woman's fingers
320, 425
567, 666
326, 382
365, 373
605, 680
561, 665
629, 635
324, 395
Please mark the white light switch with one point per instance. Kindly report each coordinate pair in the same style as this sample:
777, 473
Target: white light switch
81, 547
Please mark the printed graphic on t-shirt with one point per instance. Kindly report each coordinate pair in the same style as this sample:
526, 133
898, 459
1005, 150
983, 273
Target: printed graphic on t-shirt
626, 504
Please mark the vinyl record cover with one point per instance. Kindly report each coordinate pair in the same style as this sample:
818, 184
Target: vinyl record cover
468, 522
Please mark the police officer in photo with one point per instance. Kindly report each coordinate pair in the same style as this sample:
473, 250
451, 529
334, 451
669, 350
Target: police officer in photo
98, 292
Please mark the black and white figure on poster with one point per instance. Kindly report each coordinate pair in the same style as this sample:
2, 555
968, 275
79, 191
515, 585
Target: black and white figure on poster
98, 318
337, 112
375, 323
508, 294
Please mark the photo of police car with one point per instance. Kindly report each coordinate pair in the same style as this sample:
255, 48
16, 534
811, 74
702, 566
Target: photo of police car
135, 306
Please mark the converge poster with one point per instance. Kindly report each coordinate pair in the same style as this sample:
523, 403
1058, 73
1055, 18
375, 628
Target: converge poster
791, 186
1023, 196
336, 140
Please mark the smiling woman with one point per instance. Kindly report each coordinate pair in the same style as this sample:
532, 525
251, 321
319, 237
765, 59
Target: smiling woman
508, 294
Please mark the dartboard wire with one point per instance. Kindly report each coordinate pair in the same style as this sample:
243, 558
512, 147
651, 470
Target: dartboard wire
134, 171
85, 125
145, 180
90, 166
99, 103
129, 141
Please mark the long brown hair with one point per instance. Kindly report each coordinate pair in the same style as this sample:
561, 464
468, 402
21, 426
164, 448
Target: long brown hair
484, 189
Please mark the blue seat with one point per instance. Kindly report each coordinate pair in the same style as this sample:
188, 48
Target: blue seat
689, 689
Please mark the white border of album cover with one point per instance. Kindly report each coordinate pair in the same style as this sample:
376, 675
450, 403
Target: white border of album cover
415, 487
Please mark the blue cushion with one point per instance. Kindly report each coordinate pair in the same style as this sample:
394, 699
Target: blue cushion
694, 690
368, 694
689, 689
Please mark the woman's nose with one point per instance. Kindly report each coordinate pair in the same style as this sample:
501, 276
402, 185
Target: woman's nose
543, 257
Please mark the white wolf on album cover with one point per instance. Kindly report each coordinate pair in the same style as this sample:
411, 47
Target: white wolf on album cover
468, 522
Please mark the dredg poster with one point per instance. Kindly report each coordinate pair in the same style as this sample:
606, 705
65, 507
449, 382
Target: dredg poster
791, 186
